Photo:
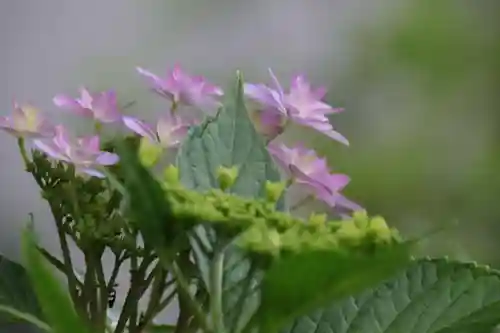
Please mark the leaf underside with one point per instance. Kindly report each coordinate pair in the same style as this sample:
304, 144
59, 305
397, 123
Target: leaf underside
227, 140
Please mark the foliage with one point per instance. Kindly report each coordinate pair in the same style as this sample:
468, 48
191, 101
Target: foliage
214, 232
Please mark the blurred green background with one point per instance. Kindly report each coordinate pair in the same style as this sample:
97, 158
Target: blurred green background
425, 136
419, 79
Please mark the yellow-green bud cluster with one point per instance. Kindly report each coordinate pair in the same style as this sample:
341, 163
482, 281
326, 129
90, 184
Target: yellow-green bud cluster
266, 230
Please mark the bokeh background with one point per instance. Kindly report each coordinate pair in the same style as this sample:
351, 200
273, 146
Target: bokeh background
419, 79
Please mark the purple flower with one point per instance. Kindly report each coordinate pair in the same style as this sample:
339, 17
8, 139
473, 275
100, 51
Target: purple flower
268, 123
169, 133
180, 88
27, 121
84, 152
302, 104
102, 106
312, 173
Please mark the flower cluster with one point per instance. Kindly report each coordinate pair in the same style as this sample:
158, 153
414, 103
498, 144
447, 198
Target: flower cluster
302, 105
276, 108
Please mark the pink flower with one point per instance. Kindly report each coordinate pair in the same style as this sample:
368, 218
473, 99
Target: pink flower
169, 133
312, 173
180, 88
302, 104
27, 121
102, 106
84, 152
269, 124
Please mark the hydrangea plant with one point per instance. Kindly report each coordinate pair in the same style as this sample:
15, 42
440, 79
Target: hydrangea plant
215, 231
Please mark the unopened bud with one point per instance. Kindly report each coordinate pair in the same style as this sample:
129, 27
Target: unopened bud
274, 190
149, 152
349, 231
227, 177
379, 227
171, 175
317, 219
361, 219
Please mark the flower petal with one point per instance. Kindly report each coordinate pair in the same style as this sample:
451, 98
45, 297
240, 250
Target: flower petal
140, 128
90, 144
91, 172
71, 104
322, 126
276, 84
49, 148
106, 158
105, 107
268, 98
86, 98
342, 202
62, 140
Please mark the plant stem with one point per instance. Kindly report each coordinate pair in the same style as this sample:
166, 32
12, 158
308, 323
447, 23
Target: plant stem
24, 155
68, 264
135, 301
134, 293
159, 285
89, 294
246, 292
57, 264
103, 294
116, 269
216, 280
191, 303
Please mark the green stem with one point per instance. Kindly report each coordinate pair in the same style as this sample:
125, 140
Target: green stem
57, 264
89, 294
246, 292
191, 303
135, 301
103, 294
116, 269
134, 293
216, 280
156, 308
24, 155
68, 264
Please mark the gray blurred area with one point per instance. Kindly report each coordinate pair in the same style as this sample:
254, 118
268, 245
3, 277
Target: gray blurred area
419, 81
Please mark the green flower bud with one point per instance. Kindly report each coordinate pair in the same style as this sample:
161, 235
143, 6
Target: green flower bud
274, 190
361, 219
379, 227
349, 231
318, 220
171, 175
149, 152
227, 177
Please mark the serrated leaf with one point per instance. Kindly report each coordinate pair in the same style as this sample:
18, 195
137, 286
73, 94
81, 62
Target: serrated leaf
54, 300
16, 294
227, 140
431, 296
302, 282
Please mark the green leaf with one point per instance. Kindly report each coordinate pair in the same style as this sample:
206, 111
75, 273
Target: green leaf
302, 282
146, 199
160, 329
227, 140
16, 292
54, 300
431, 296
